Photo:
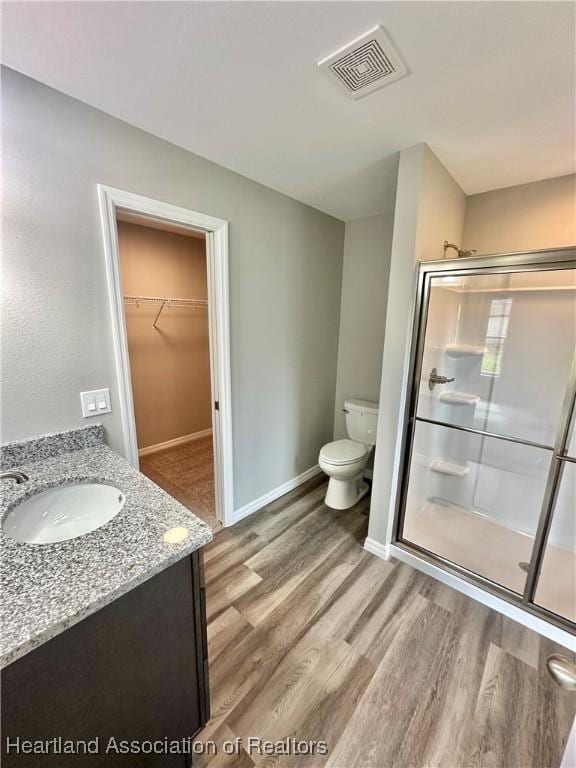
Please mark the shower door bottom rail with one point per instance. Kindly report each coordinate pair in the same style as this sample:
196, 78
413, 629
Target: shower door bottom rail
485, 584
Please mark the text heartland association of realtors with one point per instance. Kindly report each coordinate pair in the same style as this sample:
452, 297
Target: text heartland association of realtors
185, 746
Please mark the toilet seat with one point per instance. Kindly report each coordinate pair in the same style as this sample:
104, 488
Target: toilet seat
342, 452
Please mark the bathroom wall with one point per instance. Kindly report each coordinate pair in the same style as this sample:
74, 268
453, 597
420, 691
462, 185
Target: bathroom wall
285, 282
523, 218
367, 245
170, 364
430, 208
441, 209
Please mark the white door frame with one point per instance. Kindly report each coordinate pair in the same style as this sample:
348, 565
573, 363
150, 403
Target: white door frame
216, 231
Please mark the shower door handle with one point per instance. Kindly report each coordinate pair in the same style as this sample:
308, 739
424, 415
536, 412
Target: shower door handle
435, 378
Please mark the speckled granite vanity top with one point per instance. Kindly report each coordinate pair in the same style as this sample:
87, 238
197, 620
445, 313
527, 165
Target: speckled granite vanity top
47, 588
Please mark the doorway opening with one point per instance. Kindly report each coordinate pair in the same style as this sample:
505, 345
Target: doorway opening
168, 288
164, 279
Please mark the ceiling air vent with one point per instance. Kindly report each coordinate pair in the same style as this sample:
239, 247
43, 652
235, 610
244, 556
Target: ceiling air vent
364, 65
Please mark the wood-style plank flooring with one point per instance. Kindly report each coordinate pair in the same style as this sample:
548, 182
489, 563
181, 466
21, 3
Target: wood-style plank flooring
313, 638
186, 472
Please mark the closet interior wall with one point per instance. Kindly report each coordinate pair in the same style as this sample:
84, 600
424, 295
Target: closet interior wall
170, 362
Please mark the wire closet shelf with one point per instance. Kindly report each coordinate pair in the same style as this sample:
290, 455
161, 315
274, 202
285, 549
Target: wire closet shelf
165, 301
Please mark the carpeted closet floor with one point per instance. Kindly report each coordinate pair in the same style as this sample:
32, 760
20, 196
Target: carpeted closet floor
186, 472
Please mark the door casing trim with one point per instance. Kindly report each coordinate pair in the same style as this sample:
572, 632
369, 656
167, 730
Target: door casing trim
216, 231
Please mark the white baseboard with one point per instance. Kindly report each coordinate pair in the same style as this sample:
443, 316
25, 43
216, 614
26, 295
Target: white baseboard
375, 548
173, 443
274, 494
486, 598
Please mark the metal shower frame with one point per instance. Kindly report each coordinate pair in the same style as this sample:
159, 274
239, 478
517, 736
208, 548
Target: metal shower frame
530, 261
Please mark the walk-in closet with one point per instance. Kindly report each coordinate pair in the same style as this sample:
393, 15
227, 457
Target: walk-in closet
164, 282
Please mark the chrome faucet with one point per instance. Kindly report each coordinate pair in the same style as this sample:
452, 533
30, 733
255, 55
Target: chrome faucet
20, 477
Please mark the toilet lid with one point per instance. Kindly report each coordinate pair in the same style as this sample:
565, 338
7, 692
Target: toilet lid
343, 452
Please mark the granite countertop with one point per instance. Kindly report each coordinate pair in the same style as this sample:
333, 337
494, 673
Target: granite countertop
47, 588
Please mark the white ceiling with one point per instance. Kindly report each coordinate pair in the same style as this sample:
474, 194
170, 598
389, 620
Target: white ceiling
490, 89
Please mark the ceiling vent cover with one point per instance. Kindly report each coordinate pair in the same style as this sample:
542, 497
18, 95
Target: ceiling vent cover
367, 63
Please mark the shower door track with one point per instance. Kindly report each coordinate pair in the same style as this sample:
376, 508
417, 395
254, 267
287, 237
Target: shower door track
559, 258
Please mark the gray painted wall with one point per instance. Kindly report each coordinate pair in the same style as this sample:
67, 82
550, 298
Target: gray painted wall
285, 281
430, 208
367, 246
527, 217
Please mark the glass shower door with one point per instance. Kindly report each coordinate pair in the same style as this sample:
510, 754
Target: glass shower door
556, 588
494, 364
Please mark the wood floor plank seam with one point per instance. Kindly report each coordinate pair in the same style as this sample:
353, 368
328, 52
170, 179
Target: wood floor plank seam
229, 588
221, 565
276, 586
371, 741
274, 526
423, 734
270, 511
220, 545
316, 524
387, 586
230, 627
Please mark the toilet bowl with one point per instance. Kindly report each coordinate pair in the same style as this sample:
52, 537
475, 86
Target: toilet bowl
344, 460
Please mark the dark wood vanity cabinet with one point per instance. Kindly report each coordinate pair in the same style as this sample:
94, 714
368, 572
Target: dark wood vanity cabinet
137, 669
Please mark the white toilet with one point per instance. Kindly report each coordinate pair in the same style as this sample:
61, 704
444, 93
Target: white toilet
344, 460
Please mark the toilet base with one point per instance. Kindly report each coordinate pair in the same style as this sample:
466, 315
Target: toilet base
343, 494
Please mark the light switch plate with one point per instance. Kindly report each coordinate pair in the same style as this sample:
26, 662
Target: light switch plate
95, 402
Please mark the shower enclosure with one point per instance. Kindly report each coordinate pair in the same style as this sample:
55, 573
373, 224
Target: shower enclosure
488, 485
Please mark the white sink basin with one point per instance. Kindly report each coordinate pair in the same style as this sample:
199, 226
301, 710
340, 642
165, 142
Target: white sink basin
62, 513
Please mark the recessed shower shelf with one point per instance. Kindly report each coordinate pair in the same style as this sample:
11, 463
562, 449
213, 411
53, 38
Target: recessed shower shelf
459, 399
448, 468
463, 350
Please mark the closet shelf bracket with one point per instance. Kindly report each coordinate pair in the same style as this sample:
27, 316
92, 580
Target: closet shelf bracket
158, 314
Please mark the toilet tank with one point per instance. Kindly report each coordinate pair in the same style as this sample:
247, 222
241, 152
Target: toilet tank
361, 420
